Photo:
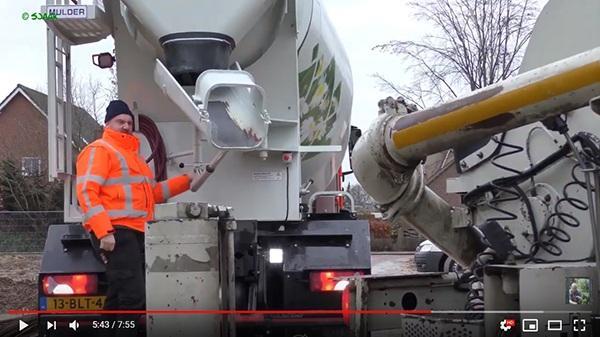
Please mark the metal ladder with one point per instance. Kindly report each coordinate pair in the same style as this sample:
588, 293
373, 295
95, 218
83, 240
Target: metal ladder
61, 35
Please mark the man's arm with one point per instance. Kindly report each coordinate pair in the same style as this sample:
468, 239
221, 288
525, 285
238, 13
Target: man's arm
92, 171
171, 187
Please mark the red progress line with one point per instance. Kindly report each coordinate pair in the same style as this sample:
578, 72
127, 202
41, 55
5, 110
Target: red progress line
220, 312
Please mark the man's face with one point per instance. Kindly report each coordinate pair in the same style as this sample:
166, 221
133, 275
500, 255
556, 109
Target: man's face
121, 123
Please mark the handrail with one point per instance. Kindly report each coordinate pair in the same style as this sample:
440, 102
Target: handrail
331, 193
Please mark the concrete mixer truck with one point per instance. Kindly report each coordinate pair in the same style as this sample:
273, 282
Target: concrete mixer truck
255, 98
527, 233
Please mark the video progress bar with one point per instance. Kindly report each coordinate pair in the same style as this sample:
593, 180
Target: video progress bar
219, 312
286, 312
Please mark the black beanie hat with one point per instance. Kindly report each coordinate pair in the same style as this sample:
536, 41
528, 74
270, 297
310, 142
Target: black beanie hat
116, 108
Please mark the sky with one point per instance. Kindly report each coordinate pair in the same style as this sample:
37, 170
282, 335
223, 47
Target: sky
360, 24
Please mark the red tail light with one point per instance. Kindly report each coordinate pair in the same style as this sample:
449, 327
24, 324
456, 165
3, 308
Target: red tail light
78, 284
346, 306
329, 280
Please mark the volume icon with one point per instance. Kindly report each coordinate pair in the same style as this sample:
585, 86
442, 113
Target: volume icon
74, 325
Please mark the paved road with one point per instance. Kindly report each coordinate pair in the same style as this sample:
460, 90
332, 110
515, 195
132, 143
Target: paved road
393, 263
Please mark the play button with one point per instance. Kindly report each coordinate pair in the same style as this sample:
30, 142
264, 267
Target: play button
22, 325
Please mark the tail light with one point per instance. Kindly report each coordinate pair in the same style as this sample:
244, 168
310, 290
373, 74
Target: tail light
346, 306
329, 280
77, 284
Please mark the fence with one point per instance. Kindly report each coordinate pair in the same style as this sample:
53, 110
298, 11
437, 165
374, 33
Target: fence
26, 231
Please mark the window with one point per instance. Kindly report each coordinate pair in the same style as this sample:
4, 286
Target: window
31, 166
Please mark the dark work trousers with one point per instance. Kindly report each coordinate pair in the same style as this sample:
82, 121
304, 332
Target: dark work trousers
126, 278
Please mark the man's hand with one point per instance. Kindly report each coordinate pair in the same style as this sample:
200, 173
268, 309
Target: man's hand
107, 242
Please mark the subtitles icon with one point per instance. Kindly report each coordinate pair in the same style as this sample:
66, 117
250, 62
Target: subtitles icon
507, 324
554, 325
530, 325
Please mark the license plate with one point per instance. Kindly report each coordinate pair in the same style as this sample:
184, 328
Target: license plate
76, 303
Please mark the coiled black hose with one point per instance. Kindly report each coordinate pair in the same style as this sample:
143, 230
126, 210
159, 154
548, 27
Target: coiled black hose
551, 232
514, 150
511, 192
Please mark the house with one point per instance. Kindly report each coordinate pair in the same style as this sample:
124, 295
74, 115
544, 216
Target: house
437, 169
24, 130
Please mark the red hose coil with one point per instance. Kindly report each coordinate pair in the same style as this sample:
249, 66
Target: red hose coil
159, 153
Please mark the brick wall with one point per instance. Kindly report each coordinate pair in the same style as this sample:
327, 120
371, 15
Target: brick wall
438, 185
23, 132
436, 180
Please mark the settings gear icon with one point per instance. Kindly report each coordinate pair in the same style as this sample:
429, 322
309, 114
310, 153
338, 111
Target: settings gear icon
507, 324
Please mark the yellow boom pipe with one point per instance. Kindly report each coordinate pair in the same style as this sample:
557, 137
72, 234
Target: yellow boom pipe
540, 93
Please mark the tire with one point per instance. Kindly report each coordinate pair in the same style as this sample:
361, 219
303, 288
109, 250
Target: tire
447, 264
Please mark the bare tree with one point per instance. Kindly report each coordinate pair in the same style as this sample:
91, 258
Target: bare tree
362, 201
112, 90
474, 43
92, 95
42, 87
88, 94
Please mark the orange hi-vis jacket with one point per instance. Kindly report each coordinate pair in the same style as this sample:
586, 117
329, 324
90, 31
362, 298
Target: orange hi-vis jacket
115, 186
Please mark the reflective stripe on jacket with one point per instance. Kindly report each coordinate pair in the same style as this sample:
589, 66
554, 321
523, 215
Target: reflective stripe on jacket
116, 186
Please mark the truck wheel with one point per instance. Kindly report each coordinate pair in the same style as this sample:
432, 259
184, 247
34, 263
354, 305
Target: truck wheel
447, 264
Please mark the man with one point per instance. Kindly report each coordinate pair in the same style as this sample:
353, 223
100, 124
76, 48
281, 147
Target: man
117, 192
575, 295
